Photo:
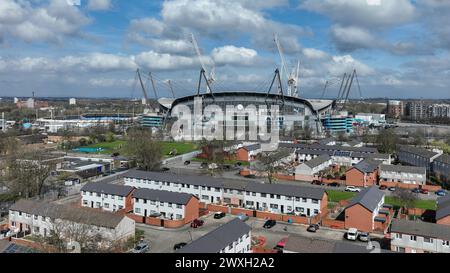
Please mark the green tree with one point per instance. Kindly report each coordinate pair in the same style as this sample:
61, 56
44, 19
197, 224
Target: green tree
110, 137
141, 147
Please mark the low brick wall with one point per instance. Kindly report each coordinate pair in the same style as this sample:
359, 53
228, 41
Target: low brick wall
173, 223
333, 223
237, 211
284, 177
217, 208
432, 188
416, 211
268, 215
295, 219
332, 180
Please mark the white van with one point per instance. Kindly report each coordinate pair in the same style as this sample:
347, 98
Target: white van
352, 234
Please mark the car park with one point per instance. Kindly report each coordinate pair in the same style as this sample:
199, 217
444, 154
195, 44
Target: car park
269, 224
179, 246
352, 189
197, 223
313, 228
219, 215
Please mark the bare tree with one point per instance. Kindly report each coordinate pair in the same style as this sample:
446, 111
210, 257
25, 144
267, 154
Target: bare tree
268, 162
405, 197
146, 152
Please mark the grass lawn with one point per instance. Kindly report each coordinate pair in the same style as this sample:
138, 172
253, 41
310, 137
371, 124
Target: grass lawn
421, 204
336, 196
181, 147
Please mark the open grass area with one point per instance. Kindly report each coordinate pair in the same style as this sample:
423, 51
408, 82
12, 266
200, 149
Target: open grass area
420, 204
336, 196
181, 147
108, 147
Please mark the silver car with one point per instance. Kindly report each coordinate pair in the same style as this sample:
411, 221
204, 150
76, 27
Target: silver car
141, 247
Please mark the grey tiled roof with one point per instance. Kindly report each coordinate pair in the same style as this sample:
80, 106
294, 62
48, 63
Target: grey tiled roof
218, 239
74, 214
368, 198
252, 147
443, 159
367, 165
403, 169
443, 207
417, 151
287, 190
107, 188
421, 229
329, 147
163, 196
174, 178
318, 161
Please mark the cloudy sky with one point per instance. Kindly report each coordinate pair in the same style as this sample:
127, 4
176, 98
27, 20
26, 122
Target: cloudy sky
399, 48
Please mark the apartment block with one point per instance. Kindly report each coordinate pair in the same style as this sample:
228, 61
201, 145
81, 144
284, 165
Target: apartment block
403, 174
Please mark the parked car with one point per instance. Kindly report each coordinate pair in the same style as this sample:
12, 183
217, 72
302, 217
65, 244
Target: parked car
317, 182
204, 165
179, 246
352, 234
416, 190
424, 191
441, 193
219, 215
243, 217
364, 237
313, 228
187, 162
334, 184
383, 187
352, 189
141, 247
281, 244
392, 189
197, 223
269, 224
251, 176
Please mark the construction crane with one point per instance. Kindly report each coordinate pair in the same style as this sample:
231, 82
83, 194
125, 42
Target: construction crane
211, 77
292, 76
169, 83
345, 91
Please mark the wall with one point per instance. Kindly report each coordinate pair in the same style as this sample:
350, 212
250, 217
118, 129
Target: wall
444, 221
358, 217
242, 155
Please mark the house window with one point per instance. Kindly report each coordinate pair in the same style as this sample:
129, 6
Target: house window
179, 206
400, 249
161, 204
120, 207
145, 201
170, 205
98, 204
273, 206
106, 195
278, 196
13, 223
272, 196
35, 217
120, 198
446, 243
137, 210
20, 213
253, 193
304, 200
249, 203
137, 200
289, 208
217, 190
106, 205
299, 209
316, 211
263, 195
203, 188
36, 229
297, 199
205, 197
230, 247
178, 217
85, 202
195, 187
153, 203
98, 194
188, 186
288, 198
315, 201
413, 238
428, 240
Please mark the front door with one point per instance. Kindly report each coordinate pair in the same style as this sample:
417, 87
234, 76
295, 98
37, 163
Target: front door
257, 205
212, 199
92, 204
145, 212
308, 212
282, 208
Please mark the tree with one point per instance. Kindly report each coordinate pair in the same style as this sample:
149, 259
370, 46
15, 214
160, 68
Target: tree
146, 152
418, 137
387, 141
406, 198
268, 162
8, 145
110, 137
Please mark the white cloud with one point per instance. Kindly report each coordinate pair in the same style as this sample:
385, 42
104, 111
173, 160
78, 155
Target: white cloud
312, 53
231, 55
345, 64
161, 61
99, 5
110, 82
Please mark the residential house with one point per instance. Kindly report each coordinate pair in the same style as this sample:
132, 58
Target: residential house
248, 153
106, 196
443, 210
396, 175
40, 218
308, 170
166, 205
366, 211
441, 167
416, 156
363, 174
232, 237
419, 237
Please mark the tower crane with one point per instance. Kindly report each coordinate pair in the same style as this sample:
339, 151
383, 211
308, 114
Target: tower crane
292, 76
211, 78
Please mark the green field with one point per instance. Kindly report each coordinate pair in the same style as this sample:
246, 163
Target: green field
108, 147
181, 147
336, 196
420, 204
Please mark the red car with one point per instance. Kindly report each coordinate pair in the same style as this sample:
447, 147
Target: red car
197, 223
423, 191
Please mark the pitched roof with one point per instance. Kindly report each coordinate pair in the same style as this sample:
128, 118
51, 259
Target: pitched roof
443, 207
367, 165
444, 158
174, 178
368, 198
329, 147
287, 190
163, 196
107, 188
417, 151
74, 214
218, 239
420, 228
252, 147
403, 169
317, 161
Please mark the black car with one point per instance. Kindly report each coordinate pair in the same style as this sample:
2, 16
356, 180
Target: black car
219, 215
269, 224
334, 184
179, 246
187, 162
313, 228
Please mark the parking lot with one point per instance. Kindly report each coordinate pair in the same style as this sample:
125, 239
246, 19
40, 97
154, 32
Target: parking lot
162, 240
